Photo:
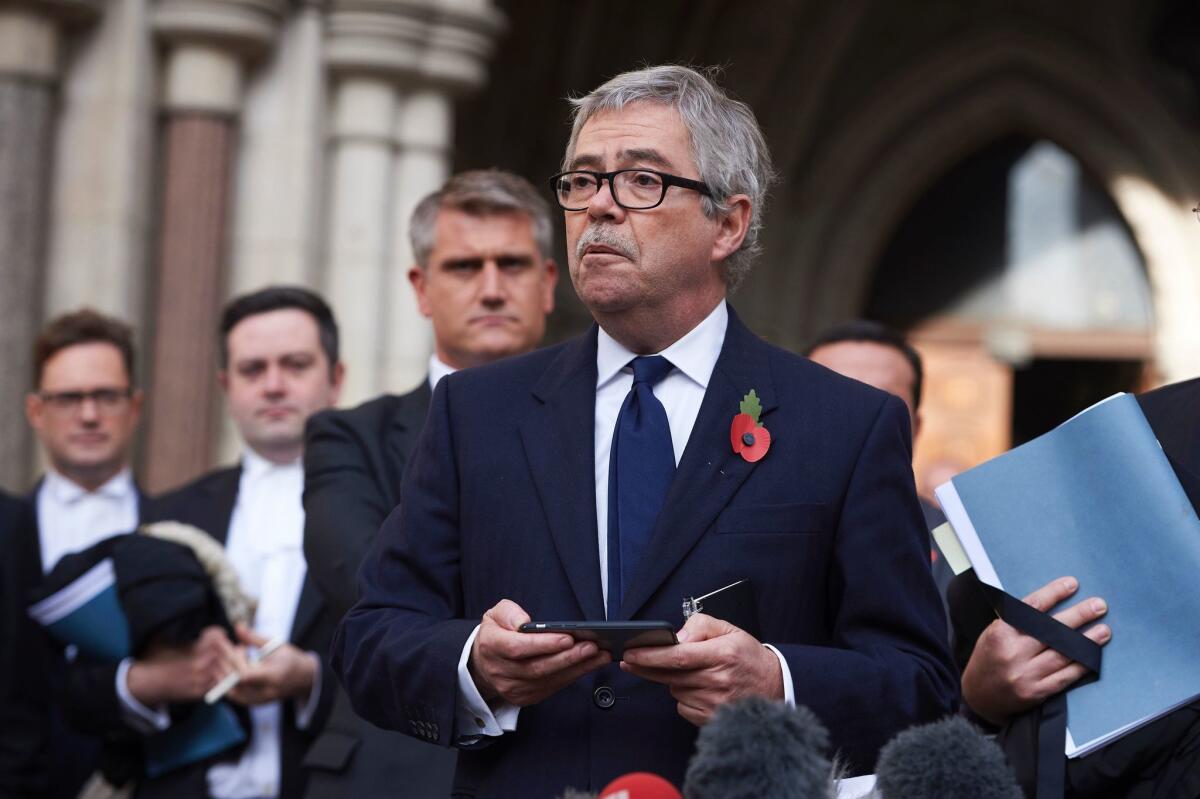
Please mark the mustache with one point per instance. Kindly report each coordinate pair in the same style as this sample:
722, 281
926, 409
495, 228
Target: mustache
609, 237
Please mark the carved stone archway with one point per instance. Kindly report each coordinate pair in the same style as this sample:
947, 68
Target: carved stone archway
928, 118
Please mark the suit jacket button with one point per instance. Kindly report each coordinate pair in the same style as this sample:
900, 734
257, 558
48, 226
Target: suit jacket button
604, 697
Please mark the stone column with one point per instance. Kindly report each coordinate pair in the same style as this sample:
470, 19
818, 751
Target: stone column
29, 40
360, 204
426, 128
414, 56
208, 43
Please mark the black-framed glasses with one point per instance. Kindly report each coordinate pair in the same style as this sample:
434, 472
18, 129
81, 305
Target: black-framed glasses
69, 403
632, 189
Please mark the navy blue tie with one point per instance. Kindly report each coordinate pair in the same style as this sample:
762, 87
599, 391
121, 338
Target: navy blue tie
641, 466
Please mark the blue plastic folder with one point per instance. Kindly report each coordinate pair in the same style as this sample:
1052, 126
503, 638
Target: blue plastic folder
87, 614
1096, 499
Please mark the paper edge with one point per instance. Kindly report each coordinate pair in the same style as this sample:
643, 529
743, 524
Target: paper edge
964, 530
71, 597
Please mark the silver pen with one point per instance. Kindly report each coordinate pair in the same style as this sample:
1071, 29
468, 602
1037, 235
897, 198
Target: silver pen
218, 691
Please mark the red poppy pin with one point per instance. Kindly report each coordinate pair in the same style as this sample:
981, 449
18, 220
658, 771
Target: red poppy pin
749, 438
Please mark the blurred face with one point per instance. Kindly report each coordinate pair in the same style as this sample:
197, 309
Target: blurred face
278, 375
487, 288
85, 412
877, 365
660, 261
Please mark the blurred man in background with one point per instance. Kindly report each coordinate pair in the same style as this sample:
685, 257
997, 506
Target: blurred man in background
279, 365
485, 280
84, 409
875, 354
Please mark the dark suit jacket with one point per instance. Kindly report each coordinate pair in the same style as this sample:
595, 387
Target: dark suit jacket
499, 502
208, 503
353, 462
22, 731
42, 754
1161, 760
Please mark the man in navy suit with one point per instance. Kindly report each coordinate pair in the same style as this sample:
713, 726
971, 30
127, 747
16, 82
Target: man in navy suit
609, 477
484, 279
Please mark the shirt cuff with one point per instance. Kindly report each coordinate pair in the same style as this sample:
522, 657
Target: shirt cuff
474, 714
137, 715
789, 690
306, 709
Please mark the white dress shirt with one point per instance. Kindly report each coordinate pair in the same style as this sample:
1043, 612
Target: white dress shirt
437, 370
681, 393
71, 518
266, 547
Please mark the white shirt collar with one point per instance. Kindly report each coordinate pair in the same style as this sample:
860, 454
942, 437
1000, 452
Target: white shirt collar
255, 465
65, 491
438, 369
695, 355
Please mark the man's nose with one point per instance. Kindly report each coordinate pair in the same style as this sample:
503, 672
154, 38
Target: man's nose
603, 205
491, 289
89, 411
273, 382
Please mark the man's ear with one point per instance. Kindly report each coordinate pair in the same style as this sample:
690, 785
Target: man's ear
223, 380
337, 378
550, 280
136, 400
417, 277
35, 410
734, 225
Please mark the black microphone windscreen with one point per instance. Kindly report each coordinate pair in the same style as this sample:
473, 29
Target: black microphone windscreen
755, 748
946, 760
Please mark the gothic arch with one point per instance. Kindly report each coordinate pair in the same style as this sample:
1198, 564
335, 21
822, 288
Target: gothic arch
927, 119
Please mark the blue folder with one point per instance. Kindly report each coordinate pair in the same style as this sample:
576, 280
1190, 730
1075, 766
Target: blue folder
1096, 499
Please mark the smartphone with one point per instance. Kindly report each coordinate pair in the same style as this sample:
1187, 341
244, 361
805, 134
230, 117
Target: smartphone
612, 636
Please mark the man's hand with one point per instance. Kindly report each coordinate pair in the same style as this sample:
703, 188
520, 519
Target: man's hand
179, 674
525, 668
288, 673
1010, 672
713, 663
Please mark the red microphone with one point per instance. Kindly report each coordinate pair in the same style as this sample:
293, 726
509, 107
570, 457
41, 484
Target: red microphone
640, 785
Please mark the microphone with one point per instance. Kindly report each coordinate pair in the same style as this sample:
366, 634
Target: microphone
756, 748
945, 760
639, 785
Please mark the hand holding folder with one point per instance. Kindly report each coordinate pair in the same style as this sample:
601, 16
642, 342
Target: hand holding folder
1010, 673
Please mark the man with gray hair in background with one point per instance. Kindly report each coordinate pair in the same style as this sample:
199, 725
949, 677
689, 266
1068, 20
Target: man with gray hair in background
485, 279
666, 453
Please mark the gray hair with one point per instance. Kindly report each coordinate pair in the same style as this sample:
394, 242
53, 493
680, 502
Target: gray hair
729, 148
481, 192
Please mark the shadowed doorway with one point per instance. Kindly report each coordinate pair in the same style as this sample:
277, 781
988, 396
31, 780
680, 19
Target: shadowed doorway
1019, 281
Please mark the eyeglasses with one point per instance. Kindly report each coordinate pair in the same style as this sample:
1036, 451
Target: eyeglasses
632, 189
108, 401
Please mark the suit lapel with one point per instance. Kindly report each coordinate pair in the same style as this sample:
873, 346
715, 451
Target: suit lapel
224, 491
559, 441
32, 560
710, 472
307, 609
407, 422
